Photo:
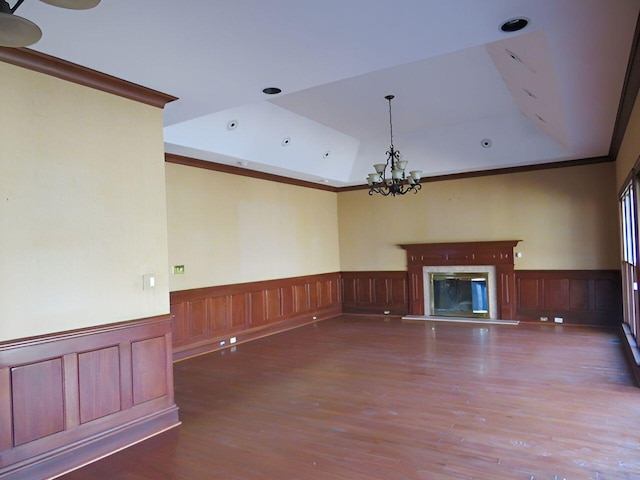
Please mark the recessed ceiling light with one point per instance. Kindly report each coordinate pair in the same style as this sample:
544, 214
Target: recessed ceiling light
514, 24
232, 124
540, 118
486, 142
286, 141
326, 154
529, 93
271, 90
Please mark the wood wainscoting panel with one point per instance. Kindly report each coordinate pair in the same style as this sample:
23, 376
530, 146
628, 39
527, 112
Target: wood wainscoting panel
301, 300
606, 293
581, 294
328, 293
250, 310
198, 315
529, 295
66, 399
180, 325
258, 308
99, 383
288, 300
272, 298
239, 317
219, 312
6, 434
555, 293
589, 297
38, 400
375, 292
149, 381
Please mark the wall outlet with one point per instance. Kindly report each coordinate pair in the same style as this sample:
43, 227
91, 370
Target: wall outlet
233, 340
178, 269
544, 319
558, 319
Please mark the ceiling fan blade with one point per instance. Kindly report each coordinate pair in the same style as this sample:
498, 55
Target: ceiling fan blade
73, 4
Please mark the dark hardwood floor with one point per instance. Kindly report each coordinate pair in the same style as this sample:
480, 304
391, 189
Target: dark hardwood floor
357, 398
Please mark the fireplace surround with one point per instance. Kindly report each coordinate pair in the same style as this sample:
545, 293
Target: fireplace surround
496, 256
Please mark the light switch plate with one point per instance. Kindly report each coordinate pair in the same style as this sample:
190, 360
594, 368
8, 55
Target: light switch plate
148, 281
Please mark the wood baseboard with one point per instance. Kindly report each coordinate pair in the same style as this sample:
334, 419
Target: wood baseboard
71, 457
214, 343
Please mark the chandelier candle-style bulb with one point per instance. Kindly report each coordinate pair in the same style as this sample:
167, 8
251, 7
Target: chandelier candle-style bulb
394, 181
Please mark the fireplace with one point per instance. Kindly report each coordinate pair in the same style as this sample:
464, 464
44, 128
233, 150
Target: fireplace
493, 258
460, 291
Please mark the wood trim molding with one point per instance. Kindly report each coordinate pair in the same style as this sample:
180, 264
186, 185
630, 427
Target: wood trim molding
496, 253
220, 167
500, 171
70, 398
630, 90
206, 319
631, 350
72, 72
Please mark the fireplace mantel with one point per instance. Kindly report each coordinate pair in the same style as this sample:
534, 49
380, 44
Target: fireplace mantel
496, 253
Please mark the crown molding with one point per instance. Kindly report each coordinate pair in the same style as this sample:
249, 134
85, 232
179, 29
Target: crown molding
500, 171
220, 167
72, 72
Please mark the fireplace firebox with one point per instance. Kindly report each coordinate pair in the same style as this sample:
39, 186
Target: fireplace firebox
460, 294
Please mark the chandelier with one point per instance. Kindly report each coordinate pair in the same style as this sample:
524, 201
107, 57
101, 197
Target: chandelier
17, 31
395, 181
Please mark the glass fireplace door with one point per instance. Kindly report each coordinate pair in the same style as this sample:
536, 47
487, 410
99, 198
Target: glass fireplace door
460, 294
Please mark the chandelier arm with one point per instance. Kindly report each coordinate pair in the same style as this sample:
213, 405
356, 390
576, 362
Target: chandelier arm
15, 7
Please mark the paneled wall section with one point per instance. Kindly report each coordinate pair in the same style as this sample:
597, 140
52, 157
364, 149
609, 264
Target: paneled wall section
67, 399
590, 297
375, 292
586, 297
206, 317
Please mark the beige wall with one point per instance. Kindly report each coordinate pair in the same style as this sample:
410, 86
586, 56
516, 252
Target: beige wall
82, 206
566, 219
228, 229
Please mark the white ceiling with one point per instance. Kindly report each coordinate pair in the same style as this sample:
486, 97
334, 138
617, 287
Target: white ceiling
548, 93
